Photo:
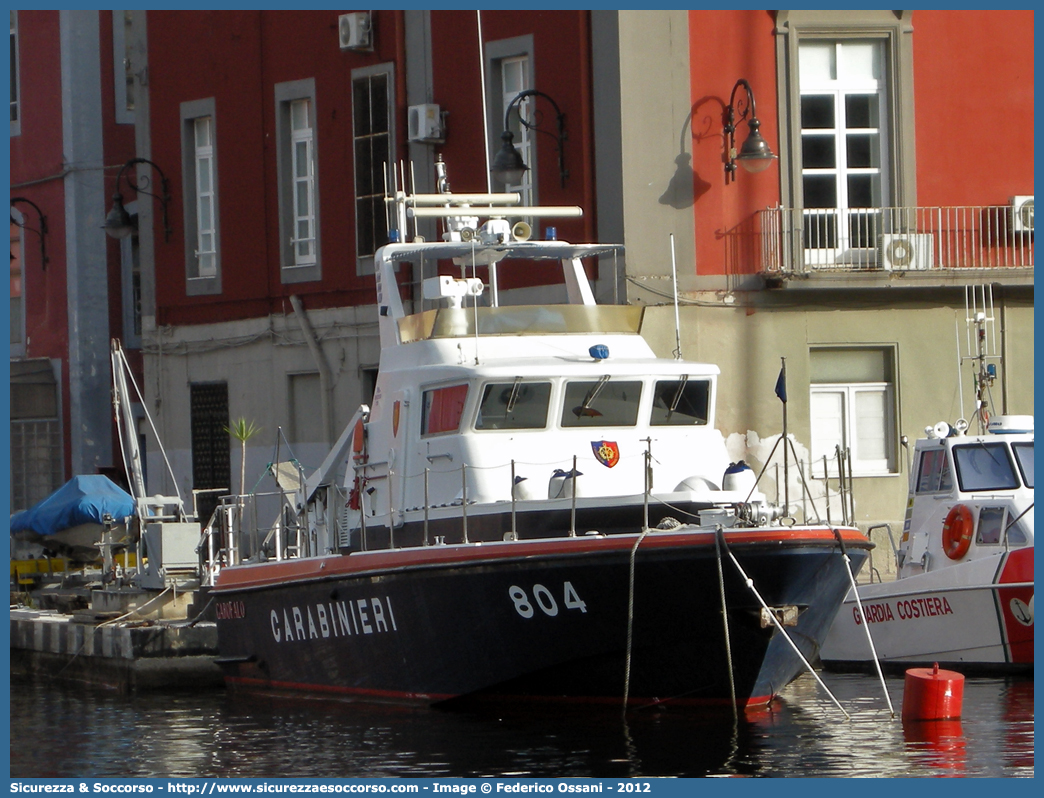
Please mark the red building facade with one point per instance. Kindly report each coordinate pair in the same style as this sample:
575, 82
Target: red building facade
280, 130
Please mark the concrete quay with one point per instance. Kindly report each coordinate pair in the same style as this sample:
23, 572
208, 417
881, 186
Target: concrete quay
94, 648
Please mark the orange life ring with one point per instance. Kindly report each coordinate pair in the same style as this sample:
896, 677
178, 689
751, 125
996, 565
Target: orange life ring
359, 441
957, 531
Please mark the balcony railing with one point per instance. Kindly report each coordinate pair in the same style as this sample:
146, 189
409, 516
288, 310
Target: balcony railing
803, 241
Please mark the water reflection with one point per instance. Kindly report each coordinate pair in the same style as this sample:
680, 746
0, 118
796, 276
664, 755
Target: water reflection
60, 731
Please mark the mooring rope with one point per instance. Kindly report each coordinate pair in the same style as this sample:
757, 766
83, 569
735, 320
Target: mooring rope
750, 584
630, 619
718, 540
136, 610
866, 626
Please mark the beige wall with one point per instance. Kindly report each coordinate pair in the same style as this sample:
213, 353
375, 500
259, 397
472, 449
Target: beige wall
747, 344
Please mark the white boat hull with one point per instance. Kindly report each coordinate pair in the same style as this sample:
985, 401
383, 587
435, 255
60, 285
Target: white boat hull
974, 614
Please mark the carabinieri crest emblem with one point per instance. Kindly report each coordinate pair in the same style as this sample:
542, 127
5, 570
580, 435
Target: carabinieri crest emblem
606, 452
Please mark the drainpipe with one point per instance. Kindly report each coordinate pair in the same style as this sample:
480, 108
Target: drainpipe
1004, 355
325, 381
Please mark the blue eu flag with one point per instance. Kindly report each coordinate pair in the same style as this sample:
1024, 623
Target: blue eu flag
781, 385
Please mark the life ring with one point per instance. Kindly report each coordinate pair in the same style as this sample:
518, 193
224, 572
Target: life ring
359, 442
957, 531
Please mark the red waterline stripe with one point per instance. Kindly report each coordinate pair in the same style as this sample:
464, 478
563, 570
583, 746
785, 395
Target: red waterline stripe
247, 681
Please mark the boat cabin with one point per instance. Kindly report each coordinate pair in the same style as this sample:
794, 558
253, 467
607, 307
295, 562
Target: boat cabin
970, 495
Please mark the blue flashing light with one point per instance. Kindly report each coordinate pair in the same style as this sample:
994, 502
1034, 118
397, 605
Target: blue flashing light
599, 352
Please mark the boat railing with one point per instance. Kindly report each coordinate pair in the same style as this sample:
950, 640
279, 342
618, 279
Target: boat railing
272, 525
895, 549
238, 532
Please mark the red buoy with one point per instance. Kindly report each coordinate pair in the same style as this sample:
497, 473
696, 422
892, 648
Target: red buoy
932, 694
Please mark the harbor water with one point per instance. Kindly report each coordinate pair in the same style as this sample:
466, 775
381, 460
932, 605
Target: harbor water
62, 731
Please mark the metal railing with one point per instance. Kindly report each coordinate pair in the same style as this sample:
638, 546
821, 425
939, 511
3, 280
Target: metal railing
803, 241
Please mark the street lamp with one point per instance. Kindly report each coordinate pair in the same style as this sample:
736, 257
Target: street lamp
755, 155
508, 166
42, 232
119, 223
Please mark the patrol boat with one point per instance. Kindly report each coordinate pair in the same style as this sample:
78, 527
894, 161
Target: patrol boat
963, 596
964, 592
534, 507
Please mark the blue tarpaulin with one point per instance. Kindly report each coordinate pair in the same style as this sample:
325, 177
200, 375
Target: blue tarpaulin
81, 500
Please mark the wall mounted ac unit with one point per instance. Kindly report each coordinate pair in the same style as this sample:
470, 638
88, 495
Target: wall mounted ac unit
425, 123
355, 30
1022, 214
903, 252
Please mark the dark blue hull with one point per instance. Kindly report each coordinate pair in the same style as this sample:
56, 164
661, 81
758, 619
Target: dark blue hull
548, 619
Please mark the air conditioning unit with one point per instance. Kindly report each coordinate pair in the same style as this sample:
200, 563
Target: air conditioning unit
904, 252
424, 124
355, 30
1022, 214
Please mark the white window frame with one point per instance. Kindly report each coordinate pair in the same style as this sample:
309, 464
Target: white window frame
202, 277
514, 78
206, 197
123, 65
846, 247
16, 77
364, 260
502, 90
895, 30
303, 177
296, 265
862, 466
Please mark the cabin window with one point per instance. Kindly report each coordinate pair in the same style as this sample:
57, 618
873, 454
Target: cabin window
1024, 456
934, 474
514, 405
601, 403
984, 466
443, 409
682, 402
991, 524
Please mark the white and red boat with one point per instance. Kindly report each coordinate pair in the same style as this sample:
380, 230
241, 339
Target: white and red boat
963, 596
534, 506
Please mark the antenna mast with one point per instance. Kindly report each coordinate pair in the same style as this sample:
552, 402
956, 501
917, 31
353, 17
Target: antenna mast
981, 348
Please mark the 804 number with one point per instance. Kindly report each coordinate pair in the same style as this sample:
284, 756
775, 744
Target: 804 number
545, 600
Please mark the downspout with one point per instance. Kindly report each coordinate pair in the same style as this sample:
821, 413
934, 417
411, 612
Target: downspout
325, 380
1004, 354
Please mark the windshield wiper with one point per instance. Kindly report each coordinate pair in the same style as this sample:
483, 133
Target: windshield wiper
514, 394
677, 396
585, 408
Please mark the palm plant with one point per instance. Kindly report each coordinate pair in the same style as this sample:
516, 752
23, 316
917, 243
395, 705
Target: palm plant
242, 430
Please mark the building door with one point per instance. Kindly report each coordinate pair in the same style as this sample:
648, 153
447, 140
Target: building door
211, 466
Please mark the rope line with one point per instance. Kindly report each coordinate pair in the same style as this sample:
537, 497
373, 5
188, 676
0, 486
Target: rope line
750, 585
866, 626
630, 620
718, 540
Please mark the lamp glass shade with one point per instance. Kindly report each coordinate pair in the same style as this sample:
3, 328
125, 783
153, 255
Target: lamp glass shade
119, 224
508, 166
755, 155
